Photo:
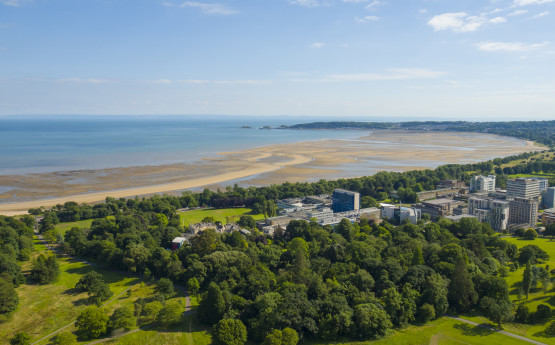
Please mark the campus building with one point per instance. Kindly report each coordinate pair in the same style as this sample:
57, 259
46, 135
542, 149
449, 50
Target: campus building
523, 188
399, 213
482, 183
493, 211
523, 213
549, 198
345, 200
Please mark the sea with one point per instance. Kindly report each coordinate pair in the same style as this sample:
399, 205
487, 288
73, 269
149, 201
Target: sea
43, 144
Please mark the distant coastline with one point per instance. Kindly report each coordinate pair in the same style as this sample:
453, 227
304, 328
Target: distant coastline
264, 165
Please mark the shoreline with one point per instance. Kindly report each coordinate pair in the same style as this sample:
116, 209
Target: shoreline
265, 165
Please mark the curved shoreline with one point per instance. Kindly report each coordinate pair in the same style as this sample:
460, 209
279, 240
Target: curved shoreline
272, 164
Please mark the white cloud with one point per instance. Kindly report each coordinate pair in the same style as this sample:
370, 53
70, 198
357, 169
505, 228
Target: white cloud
498, 20
317, 45
509, 46
366, 19
518, 12
394, 74
306, 3
543, 14
458, 22
531, 2
209, 8
374, 4
423, 11
13, 3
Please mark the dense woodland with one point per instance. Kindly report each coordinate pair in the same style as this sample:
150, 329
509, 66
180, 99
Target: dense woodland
539, 131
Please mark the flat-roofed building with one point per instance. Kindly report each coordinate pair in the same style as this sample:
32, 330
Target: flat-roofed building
523, 187
548, 217
482, 183
493, 211
438, 207
549, 198
399, 213
345, 200
523, 212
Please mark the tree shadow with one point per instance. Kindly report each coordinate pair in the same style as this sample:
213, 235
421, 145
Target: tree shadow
481, 330
82, 301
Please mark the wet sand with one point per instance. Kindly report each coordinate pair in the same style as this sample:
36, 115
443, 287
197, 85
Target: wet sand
303, 161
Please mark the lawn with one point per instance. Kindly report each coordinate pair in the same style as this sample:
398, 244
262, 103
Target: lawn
536, 296
223, 215
45, 308
444, 331
63, 227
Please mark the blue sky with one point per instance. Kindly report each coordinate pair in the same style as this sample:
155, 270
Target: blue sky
342, 58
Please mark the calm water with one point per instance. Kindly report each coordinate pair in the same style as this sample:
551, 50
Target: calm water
59, 144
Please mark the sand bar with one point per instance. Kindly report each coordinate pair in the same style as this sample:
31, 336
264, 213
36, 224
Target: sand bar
303, 161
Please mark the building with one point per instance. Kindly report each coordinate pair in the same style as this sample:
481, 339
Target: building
548, 217
482, 183
437, 193
438, 207
322, 216
523, 213
549, 198
451, 184
544, 183
493, 211
399, 213
344, 200
523, 188
178, 242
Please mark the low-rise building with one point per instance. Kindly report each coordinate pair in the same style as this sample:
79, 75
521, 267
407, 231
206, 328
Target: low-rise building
178, 242
438, 207
451, 184
482, 183
399, 214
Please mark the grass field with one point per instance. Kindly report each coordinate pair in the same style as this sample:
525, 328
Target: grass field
444, 331
535, 297
45, 308
222, 215
63, 227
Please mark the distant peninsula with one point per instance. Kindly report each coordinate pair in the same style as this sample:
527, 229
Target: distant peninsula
542, 132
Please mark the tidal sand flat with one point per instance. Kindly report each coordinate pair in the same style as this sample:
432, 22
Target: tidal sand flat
264, 165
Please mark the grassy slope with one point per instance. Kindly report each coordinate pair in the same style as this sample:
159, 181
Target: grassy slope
63, 227
443, 331
45, 308
536, 296
195, 216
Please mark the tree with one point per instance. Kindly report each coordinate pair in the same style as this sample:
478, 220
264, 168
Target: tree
21, 338
550, 330
230, 332
8, 296
435, 293
150, 311
522, 314
286, 337
426, 312
164, 286
93, 283
122, 318
45, 269
530, 234
172, 313
550, 231
212, 305
497, 310
531, 253
193, 286
369, 321
247, 221
527, 279
65, 338
461, 294
91, 323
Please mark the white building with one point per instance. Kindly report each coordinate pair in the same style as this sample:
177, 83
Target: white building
400, 213
482, 183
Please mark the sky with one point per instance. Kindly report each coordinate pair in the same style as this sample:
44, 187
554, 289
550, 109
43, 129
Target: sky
445, 59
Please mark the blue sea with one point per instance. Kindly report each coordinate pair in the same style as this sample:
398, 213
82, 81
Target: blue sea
48, 144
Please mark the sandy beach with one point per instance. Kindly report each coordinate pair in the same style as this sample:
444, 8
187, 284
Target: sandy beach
303, 161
